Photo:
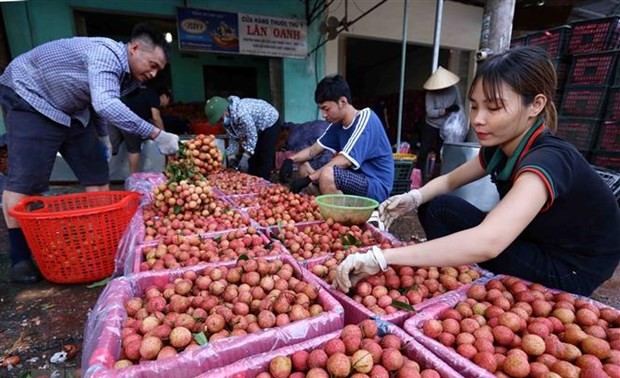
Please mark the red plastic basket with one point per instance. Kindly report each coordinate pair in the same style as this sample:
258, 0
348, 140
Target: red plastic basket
74, 237
608, 160
584, 101
613, 104
609, 137
595, 35
594, 69
553, 41
578, 131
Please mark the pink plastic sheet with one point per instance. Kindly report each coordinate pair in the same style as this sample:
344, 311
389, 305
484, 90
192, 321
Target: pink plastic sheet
356, 312
144, 182
252, 366
134, 234
469, 370
102, 343
135, 257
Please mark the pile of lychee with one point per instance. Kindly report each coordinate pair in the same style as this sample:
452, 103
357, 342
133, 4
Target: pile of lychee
203, 153
233, 183
277, 205
409, 285
515, 329
253, 295
358, 352
319, 239
187, 250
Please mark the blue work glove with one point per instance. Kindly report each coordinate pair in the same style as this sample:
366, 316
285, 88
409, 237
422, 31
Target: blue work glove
297, 185
243, 163
106, 146
286, 170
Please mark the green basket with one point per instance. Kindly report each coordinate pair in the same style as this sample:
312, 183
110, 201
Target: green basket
346, 209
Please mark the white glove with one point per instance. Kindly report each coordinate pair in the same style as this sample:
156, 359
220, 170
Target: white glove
357, 266
396, 206
107, 146
167, 143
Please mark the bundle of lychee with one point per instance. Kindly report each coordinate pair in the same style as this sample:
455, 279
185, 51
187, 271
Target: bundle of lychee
193, 249
277, 205
515, 329
316, 240
223, 301
203, 154
404, 284
186, 208
358, 352
234, 183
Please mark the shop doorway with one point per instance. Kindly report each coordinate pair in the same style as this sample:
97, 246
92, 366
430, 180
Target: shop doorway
373, 69
229, 80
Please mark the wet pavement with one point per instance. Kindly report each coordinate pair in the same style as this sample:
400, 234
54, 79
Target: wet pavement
37, 321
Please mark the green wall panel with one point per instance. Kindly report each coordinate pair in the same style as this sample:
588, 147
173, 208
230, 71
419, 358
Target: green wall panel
33, 22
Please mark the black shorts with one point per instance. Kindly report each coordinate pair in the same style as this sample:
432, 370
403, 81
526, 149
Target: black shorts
133, 142
34, 140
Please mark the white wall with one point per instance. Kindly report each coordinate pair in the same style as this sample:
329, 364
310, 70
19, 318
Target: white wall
461, 25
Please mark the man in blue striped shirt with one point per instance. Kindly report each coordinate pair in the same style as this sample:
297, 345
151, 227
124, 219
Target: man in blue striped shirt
59, 97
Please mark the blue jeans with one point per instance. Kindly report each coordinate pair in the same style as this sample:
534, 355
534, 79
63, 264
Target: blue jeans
448, 214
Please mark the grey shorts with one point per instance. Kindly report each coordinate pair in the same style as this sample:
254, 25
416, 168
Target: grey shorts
34, 140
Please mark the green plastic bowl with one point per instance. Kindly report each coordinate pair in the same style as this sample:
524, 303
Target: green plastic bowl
345, 208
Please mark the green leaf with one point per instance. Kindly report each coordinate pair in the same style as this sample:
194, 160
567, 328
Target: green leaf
402, 305
177, 209
200, 338
103, 282
26, 375
243, 256
46, 306
348, 240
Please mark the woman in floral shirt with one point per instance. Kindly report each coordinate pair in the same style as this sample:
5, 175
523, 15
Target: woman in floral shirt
252, 126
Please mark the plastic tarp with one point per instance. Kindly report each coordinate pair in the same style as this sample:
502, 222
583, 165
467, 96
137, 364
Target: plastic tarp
102, 341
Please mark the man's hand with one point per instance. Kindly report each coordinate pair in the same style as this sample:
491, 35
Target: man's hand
107, 146
286, 170
452, 108
244, 163
167, 143
396, 206
357, 266
297, 185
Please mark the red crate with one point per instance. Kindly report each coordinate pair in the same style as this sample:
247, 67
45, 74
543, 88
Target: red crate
606, 160
609, 137
519, 41
613, 104
584, 101
595, 35
594, 69
553, 41
562, 68
578, 131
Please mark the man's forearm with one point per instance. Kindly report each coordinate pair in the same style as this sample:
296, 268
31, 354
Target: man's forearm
337, 161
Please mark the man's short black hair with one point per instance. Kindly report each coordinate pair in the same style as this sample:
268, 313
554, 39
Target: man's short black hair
164, 90
331, 88
151, 35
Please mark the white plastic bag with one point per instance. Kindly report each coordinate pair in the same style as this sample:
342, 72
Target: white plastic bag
455, 128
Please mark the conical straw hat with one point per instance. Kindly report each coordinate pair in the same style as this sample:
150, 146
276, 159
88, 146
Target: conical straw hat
442, 78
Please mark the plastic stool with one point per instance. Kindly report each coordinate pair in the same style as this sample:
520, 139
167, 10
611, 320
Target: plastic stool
375, 221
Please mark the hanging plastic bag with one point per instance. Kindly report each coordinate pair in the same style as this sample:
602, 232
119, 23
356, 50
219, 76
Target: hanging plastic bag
455, 129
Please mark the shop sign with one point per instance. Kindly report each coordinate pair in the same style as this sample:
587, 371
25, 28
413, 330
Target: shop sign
241, 33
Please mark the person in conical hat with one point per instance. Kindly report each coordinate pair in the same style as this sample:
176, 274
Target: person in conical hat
442, 98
